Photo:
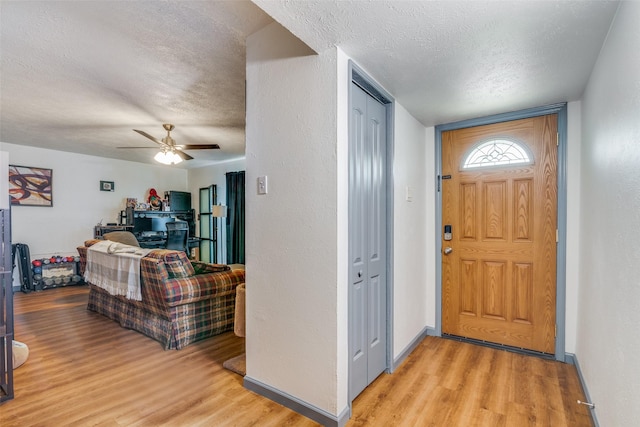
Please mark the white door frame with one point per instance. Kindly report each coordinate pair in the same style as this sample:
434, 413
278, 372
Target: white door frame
561, 284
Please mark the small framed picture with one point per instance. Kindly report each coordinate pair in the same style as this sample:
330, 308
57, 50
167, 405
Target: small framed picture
107, 186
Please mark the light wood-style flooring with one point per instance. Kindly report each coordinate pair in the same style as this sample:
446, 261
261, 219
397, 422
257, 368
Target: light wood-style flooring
85, 370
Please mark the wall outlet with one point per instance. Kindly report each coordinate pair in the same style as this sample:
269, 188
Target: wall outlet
262, 184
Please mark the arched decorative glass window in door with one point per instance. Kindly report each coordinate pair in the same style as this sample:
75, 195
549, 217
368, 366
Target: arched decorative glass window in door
497, 152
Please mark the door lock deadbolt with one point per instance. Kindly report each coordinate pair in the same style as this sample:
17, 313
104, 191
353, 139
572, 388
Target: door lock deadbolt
447, 232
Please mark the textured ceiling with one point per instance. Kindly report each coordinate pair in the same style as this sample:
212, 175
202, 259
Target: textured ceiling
446, 61
80, 75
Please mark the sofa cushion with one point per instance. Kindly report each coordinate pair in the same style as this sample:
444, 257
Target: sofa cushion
176, 262
125, 237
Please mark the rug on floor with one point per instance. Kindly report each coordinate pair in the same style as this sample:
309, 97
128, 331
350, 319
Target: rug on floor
237, 364
20, 353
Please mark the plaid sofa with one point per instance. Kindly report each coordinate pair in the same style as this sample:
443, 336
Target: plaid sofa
182, 301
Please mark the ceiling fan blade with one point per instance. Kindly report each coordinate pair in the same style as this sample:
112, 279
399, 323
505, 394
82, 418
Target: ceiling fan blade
155, 148
199, 147
143, 133
184, 155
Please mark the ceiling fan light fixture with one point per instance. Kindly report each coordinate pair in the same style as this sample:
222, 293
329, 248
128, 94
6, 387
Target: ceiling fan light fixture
176, 159
170, 153
167, 158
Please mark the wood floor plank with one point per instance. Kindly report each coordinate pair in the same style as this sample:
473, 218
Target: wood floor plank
85, 370
468, 385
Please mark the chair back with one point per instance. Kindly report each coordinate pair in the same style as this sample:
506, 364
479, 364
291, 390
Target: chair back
178, 236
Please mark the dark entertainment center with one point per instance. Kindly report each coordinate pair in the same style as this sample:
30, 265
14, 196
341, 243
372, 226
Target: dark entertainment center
150, 227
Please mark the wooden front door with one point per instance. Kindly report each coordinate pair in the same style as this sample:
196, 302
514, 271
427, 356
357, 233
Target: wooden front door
499, 266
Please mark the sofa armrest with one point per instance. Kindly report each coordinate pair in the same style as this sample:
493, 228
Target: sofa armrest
204, 267
82, 251
162, 290
201, 286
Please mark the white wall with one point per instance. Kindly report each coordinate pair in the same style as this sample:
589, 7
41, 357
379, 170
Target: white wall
214, 174
573, 224
608, 343
297, 247
291, 243
78, 203
414, 261
430, 224
4, 184
342, 199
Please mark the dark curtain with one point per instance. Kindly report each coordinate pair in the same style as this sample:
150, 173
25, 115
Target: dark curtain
235, 217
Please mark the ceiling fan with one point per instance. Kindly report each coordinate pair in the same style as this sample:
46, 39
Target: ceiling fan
170, 151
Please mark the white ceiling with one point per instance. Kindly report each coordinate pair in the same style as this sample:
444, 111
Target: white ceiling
80, 75
446, 61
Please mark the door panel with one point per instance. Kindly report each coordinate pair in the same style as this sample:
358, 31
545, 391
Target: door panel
376, 139
358, 339
206, 230
206, 238
367, 240
498, 283
376, 117
357, 245
376, 328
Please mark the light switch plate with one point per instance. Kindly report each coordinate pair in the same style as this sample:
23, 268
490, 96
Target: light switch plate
409, 194
262, 184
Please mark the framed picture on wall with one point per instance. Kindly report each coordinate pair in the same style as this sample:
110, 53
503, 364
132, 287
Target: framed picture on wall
107, 186
30, 186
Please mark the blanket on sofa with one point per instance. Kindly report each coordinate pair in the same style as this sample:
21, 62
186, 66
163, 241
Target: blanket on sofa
115, 267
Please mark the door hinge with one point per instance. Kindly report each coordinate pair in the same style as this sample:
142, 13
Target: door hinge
555, 331
557, 139
557, 238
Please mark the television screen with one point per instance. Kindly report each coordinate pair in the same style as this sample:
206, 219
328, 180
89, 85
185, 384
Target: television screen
141, 225
179, 200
